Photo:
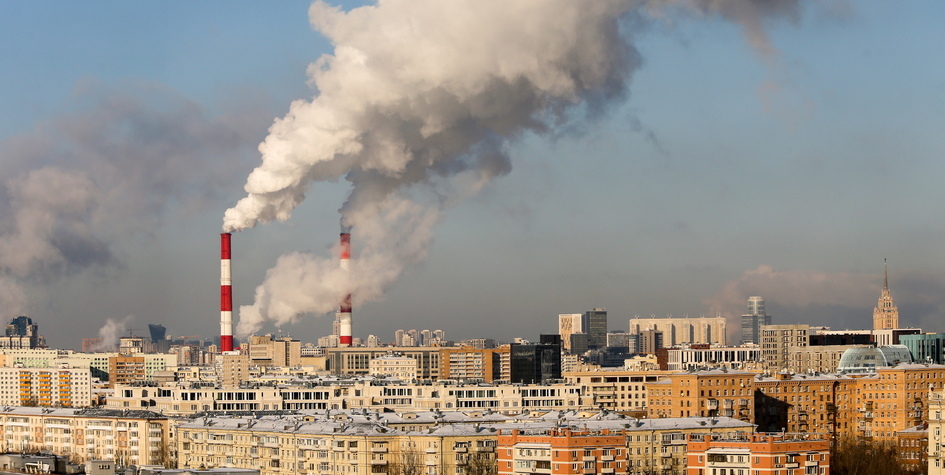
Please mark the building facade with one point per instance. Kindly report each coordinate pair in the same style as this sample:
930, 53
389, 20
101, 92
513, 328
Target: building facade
680, 331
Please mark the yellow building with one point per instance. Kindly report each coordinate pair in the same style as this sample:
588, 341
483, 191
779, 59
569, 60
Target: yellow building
614, 389
896, 398
704, 394
811, 403
303, 445
127, 437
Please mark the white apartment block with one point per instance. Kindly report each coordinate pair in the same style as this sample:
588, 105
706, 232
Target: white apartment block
367, 393
46, 387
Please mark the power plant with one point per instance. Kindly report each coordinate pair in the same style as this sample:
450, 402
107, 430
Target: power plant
226, 295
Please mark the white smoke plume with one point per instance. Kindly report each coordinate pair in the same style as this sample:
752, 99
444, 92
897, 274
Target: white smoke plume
79, 184
415, 108
110, 333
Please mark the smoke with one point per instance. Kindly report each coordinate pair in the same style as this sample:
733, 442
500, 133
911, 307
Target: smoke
415, 109
110, 333
842, 299
78, 185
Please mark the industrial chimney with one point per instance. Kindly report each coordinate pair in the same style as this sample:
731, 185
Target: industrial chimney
226, 295
344, 310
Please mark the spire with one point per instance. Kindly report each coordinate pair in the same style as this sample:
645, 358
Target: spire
885, 279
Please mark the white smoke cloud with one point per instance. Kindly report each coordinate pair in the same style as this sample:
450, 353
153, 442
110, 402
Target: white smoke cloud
415, 107
110, 333
81, 183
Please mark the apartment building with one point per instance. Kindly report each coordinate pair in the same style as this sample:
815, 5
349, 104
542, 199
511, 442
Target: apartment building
936, 433
310, 445
779, 341
129, 437
784, 454
475, 364
613, 389
46, 387
681, 331
561, 451
370, 393
703, 393
813, 403
896, 398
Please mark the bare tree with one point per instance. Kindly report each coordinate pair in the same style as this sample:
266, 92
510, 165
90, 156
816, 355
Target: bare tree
480, 463
408, 461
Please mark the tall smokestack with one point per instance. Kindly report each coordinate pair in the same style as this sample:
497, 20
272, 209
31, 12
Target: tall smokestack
344, 310
226, 295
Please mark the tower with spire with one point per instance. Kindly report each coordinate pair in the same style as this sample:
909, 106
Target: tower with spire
886, 314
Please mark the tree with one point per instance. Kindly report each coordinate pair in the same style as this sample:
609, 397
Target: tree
854, 456
408, 461
479, 463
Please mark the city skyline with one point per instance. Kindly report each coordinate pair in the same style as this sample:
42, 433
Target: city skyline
727, 168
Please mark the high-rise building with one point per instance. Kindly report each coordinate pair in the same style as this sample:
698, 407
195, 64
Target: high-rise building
753, 320
569, 324
535, 363
594, 323
886, 314
22, 333
686, 330
779, 341
650, 341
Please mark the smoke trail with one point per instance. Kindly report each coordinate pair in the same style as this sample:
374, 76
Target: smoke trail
415, 108
80, 183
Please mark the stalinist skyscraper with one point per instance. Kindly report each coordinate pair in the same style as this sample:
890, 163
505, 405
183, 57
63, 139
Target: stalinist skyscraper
886, 314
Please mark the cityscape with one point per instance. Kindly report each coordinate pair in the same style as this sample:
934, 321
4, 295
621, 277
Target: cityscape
472, 237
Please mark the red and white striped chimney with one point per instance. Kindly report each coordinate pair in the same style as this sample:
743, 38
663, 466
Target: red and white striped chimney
226, 295
344, 310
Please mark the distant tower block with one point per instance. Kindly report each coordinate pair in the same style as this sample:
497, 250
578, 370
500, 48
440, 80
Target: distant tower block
226, 295
344, 310
886, 314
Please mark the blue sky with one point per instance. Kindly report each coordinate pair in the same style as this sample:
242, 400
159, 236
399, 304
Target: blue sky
722, 174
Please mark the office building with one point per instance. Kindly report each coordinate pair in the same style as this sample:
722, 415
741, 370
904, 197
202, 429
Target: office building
594, 324
22, 333
925, 348
536, 363
753, 320
570, 324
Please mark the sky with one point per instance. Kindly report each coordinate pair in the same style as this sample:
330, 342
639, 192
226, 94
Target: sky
693, 156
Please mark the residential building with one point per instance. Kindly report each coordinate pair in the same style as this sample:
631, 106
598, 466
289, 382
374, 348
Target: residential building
936, 433
912, 447
811, 403
269, 351
686, 330
784, 454
130, 437
561, 451
777, 343
400, 367
703, 393
616, 390
46, 387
